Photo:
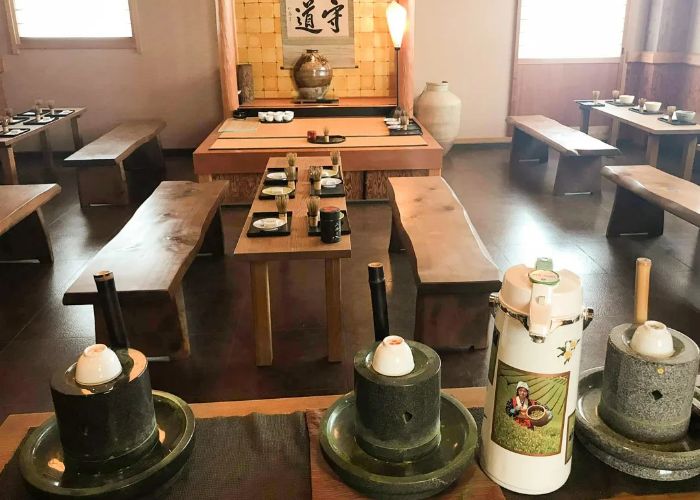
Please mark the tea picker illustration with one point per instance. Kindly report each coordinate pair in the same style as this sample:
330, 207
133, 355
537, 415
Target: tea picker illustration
525, 412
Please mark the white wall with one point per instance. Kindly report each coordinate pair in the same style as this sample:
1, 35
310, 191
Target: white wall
175, 77
469, 43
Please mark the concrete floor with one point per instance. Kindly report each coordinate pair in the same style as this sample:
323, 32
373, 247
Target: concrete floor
516, 216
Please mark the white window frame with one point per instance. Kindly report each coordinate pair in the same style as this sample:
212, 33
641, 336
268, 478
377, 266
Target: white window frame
18, 43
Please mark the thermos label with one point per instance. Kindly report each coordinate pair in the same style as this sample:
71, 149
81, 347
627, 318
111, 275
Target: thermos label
528, 412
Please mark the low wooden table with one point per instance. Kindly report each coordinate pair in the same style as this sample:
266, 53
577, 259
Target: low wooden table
296, 246
600, 482
7, 153
370, 154
655, 129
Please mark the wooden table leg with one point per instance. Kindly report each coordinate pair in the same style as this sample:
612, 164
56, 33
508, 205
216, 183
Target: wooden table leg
46, 148
262, 323
653, 143
334, 323
9, 168
614, 132
691, 144
77, 138
585, 118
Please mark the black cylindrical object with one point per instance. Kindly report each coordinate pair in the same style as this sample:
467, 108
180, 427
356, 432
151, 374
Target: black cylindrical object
107, 426
377, 289
330, 224
109, 303
398, 418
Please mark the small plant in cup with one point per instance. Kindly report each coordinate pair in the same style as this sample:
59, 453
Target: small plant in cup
670, 111
326, 134
51, 104
38, 105
312, 210
282, 200
5, 124
615, 95
335, 158
292, 159
316, 172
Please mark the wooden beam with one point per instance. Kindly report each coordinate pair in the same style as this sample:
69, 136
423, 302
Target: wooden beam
226, 31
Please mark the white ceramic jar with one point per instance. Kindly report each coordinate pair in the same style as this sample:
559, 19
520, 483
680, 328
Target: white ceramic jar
440, 111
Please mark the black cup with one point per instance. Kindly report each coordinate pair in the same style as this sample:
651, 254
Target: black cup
330, 224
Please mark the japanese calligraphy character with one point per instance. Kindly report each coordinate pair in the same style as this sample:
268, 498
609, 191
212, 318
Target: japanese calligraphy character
334, 15
305, 21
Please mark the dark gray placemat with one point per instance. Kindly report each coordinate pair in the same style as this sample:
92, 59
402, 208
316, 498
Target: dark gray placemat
256, 456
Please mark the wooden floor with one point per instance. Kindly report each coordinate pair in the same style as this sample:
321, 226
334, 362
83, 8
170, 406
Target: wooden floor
517, 218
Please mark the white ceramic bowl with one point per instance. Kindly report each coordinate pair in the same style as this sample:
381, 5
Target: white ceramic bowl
626, 99
269, 116
653, 106
393, 357
261, 116
685, 116
288, 116
97, 364
652, 339
279, 116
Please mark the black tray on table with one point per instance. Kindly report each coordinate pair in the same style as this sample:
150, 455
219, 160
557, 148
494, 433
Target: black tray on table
33, 121
274, 182
263, 196
332, 139
334, 192
590, 103
675, 122
59, 112
19, 119
619, 104
344, 226
254, 232
14, 134
645, 112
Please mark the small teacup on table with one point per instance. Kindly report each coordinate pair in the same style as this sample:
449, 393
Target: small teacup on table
652, 106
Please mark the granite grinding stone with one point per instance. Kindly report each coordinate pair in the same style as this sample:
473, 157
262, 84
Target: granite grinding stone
646, 399
671, 461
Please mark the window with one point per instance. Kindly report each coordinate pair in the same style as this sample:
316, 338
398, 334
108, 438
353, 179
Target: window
71, 23
571, 29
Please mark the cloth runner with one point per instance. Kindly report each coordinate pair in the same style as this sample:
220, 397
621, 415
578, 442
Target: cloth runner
251, 457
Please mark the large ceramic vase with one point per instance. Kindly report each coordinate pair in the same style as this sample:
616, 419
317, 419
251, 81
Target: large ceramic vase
439, 110
312, 75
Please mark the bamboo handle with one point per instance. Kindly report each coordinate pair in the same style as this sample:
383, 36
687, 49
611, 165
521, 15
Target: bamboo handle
641, 291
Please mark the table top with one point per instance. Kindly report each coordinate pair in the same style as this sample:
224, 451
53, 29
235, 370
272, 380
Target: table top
649, 123
35, 129
298, 127
298, 245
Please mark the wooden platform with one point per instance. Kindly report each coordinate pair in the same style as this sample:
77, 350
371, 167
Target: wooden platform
368, 160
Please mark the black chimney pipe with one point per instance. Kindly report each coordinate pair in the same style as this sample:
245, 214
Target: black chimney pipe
111, 310
377, 288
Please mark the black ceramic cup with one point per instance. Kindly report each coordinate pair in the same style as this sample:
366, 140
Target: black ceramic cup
330, 224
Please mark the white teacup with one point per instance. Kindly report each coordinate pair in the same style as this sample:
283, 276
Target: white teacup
97, 365
269, 117
653, 106
685, 116
279, 116
393, 357
652, 339
261, 116
626, 99
288, 116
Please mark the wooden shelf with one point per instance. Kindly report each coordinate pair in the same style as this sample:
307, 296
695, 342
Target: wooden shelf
346, 106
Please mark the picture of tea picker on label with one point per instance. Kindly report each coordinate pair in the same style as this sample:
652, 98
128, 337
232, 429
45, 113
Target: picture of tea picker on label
526, 412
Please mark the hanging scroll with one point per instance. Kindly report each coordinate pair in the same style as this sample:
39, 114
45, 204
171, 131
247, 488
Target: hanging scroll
326, 25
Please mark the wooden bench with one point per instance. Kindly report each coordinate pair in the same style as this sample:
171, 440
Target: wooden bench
123, 166
643, 194
454, 272
149, 258
576, 156
23, 235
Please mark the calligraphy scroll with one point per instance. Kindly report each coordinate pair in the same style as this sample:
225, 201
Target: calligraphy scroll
326, 25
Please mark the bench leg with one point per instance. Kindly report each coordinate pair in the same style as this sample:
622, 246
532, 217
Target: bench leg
262, 322
334, 322
27, 240
214, 237
395, 242
453, 320
576, 174
145, 170
526, 148
102, 186
632, 214
585, 118
157, 326
691, 144
77, 138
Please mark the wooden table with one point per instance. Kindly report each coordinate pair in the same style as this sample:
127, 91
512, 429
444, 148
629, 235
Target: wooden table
655, 130
7, 153
370, 154
297, 246
324, 483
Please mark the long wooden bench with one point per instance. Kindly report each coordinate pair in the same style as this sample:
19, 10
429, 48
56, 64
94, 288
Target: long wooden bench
577, 157
453, 270
123, 166
643, 194
149, 258
23, 235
